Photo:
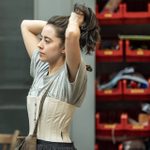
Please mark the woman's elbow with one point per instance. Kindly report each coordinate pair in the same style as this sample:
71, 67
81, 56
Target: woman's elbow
24, 24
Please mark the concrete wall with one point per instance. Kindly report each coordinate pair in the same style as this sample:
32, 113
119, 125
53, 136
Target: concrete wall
44, 9
83, 126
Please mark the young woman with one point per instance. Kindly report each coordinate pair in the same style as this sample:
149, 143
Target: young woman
54, 48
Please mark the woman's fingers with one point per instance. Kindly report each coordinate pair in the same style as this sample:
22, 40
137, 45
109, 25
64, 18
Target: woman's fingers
76, 18
78, 11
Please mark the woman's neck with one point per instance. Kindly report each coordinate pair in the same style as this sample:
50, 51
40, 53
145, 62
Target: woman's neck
55, 66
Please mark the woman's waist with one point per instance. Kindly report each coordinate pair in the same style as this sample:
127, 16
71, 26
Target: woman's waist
53, 134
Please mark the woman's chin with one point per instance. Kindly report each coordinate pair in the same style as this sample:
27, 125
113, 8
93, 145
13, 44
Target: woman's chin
43, 59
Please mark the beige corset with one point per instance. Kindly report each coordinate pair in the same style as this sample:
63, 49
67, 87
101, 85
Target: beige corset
55, 119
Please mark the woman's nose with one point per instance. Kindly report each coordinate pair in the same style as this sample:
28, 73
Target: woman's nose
40, 45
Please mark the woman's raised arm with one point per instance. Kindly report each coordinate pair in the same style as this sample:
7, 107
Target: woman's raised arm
72, 44
30, 29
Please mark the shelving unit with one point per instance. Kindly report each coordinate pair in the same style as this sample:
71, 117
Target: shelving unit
115, 107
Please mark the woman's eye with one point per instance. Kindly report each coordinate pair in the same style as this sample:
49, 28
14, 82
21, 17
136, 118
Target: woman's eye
40, 38
47, 41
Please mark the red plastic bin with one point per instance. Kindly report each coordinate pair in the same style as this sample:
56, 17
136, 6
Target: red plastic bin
134, 15
108, 15
136, 55
121, 129
110, 130
136, 94
120, 147
110, 55
111, 94
138, 130
96, 147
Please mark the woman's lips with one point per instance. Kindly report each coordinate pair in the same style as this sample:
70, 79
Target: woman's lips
42, 53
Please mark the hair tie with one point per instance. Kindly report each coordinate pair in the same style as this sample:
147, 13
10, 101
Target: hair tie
89, 68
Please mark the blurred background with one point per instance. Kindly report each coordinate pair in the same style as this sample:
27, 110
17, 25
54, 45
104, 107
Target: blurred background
15, 77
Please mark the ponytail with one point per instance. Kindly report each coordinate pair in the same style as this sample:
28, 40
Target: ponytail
89, 29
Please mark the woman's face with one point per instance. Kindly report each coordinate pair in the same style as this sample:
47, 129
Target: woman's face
50, 45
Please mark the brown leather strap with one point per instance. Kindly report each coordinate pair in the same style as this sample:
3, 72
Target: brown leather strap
40, 109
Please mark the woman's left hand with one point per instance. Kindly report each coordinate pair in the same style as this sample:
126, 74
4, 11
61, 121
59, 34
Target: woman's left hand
76, 18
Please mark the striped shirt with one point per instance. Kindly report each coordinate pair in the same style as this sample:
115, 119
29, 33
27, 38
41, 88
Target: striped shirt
61, 88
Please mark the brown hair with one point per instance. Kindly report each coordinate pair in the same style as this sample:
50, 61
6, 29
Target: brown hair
89, 29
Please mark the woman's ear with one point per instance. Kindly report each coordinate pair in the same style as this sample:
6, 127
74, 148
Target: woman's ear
63, 50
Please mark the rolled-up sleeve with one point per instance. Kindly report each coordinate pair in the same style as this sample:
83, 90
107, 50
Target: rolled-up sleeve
77, 89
